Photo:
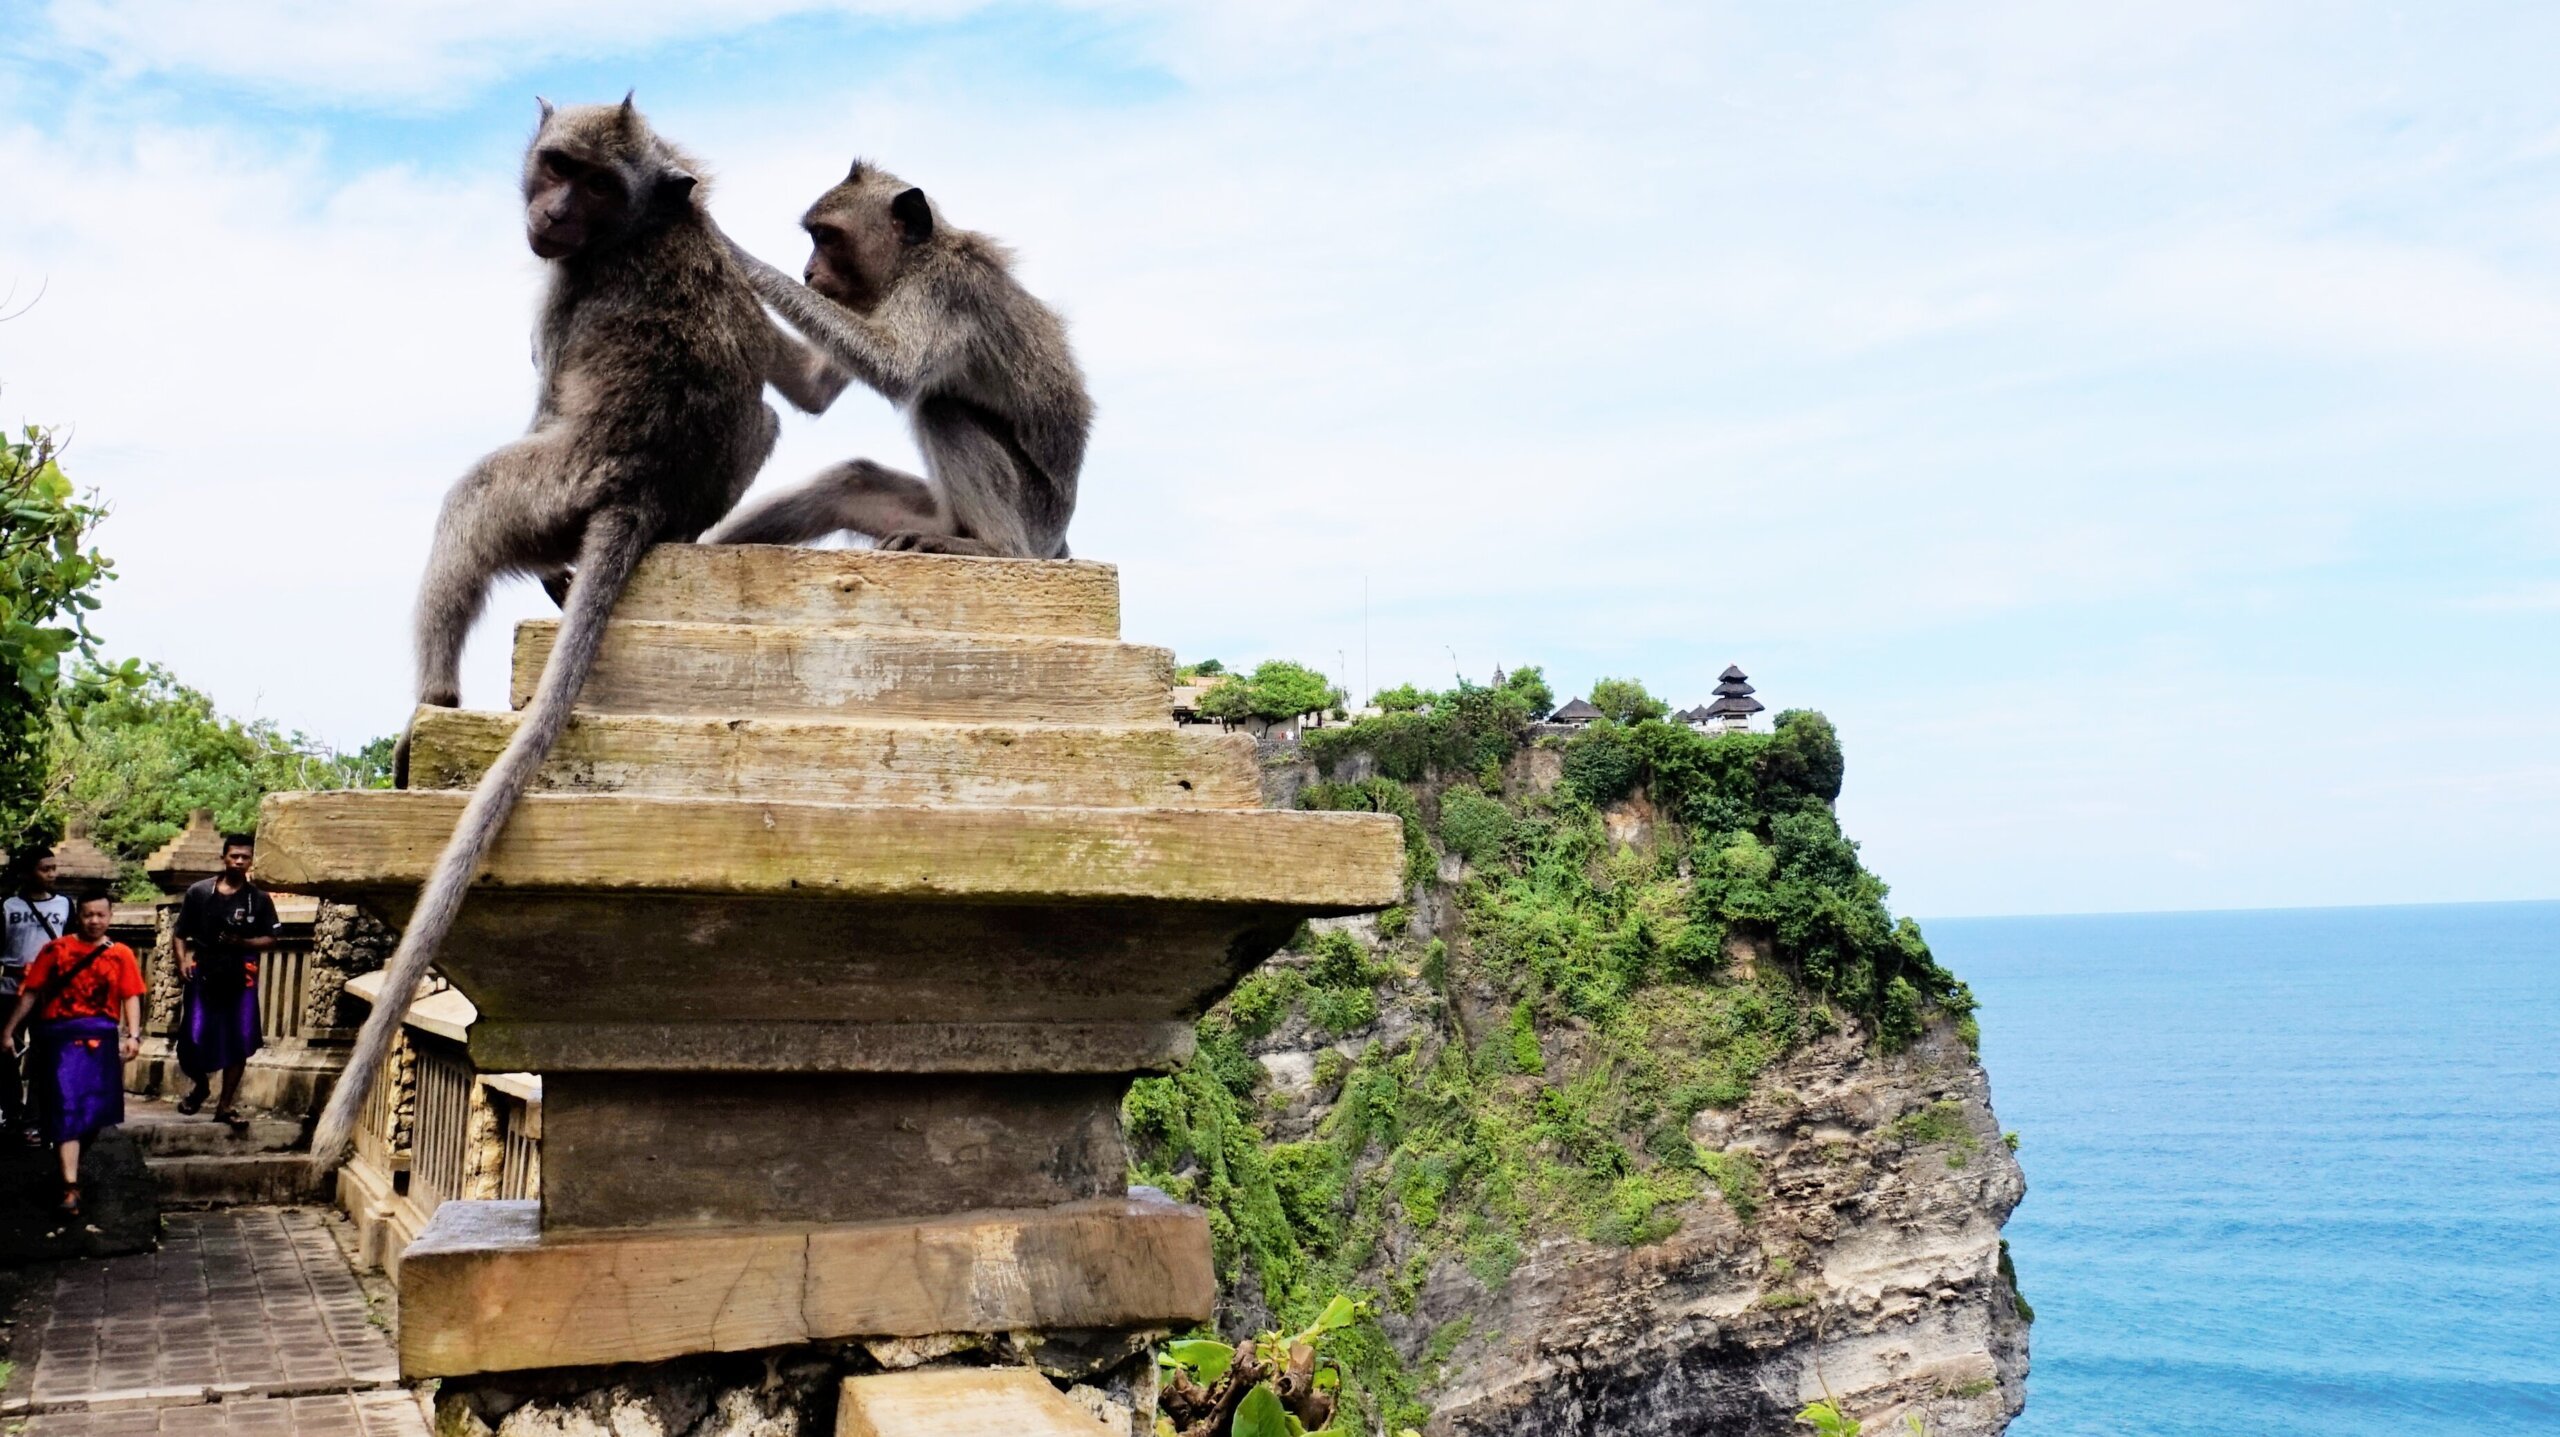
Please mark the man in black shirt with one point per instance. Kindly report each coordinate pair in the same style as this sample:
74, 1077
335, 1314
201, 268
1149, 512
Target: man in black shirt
224, 923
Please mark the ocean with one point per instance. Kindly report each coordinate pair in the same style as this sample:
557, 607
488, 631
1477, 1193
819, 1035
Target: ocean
2289, 1171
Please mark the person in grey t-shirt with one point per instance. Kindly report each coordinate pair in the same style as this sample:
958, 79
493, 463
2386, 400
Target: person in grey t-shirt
29, 919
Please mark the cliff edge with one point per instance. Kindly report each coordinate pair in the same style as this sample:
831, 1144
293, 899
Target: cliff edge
1643, 1116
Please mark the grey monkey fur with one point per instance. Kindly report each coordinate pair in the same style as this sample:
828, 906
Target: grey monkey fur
653, 355
932, 318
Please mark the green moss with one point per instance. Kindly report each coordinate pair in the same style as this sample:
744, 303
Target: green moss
1940, 1122
1737, 1177
2009, 1275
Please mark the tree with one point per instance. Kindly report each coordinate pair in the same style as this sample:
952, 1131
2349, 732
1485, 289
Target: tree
1276, 689
48, 587
1803, 759
130, 761
1402, 699
1529, 683
1626, 700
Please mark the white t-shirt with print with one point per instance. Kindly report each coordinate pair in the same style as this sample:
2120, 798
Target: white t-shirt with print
27, 932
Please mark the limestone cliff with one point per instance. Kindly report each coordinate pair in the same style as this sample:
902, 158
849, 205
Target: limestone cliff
1632, 1122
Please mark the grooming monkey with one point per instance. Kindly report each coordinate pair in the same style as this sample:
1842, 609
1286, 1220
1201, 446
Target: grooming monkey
653, 356
932, 317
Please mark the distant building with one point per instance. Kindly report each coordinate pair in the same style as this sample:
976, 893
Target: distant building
1697, 718
1733, 706
1574, 714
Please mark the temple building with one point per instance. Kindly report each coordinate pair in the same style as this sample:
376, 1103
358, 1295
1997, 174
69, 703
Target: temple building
1575, 713
1733, 706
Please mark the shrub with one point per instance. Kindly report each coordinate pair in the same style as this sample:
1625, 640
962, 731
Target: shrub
1603, 763
1342, 1010
1474, 826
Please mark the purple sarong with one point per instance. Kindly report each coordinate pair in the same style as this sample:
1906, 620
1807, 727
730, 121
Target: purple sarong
216, 1030
78, 1078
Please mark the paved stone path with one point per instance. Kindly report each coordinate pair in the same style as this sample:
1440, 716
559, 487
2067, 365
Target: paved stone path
246, 1321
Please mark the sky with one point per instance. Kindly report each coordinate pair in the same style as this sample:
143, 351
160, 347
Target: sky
2136, 431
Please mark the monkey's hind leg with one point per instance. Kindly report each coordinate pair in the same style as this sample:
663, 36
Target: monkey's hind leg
867, 498
487, 527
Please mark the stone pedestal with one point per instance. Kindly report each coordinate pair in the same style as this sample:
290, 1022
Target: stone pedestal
855, 896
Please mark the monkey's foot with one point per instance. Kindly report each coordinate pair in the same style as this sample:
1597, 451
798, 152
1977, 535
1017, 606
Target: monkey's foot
913, 541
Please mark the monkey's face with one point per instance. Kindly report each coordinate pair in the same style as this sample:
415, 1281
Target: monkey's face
596, 173
846, 264
571, 204
860, 234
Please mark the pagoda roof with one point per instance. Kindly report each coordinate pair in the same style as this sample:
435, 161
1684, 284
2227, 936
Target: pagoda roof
1734, 704
1700, 714
195, 854
82, 867
1733, 674
1575, 711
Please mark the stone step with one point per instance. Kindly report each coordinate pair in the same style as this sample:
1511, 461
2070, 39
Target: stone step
960, 1402
160, 1131
764, 584
235, 1180
819, 761
811, 672
604, 849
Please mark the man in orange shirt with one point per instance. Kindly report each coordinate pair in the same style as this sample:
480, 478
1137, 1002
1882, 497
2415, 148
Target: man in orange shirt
85, 993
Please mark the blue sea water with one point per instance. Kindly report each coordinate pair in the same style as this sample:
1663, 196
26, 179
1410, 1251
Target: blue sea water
2289, 1171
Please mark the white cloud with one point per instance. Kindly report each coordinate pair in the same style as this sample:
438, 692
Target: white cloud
1629, 338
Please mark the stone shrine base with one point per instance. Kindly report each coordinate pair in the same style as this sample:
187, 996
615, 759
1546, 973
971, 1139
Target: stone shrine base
485, 1290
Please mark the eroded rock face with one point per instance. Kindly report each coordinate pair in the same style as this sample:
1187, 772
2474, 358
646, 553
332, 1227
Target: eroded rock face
1867, 1268
1871, 1271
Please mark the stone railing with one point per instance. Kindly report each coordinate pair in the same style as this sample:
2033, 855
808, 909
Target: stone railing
436, 1128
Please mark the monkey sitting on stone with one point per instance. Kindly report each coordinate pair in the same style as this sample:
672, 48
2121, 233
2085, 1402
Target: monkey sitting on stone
931, 317
653, 355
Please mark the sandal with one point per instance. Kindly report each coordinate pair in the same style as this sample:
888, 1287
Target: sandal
231, 1119
192, 1103
70, 1206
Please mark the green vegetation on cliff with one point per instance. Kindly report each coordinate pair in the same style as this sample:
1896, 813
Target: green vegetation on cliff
1584, 997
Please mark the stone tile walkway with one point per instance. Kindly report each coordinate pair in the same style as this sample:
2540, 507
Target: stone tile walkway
247, 1321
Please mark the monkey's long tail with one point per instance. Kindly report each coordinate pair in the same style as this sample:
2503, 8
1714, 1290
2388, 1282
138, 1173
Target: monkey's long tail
610, 551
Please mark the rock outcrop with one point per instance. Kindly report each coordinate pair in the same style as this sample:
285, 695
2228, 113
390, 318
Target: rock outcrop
1829, 1220
1871, 1272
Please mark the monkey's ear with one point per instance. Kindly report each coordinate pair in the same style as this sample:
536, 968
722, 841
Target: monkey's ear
547, 111
914, 214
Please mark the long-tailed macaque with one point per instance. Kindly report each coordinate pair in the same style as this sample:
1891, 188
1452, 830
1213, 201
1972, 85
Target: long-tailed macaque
931, 317
653, 354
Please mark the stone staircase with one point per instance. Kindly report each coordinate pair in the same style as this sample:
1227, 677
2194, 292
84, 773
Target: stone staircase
196, 1162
